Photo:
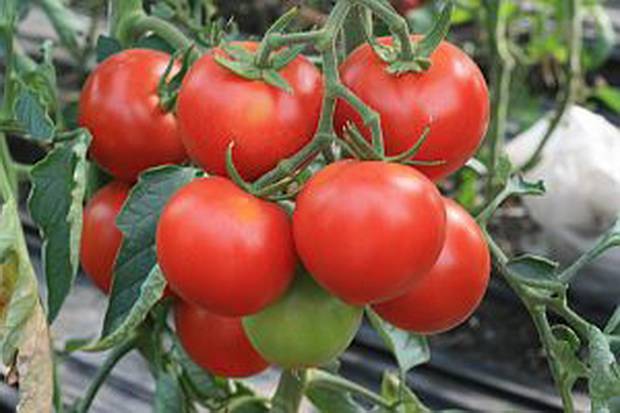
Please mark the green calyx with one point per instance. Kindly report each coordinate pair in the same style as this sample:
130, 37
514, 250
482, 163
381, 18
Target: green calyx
399, 62
264, 64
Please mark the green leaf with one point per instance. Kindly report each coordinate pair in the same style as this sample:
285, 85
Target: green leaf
608, 96
59, 184
202, 384
565, 348
169, 397
247, 404
32, 116
604, 381
409, 349
106, 47
151, 291
613, 325
596, 54
138, 223
274, 78
393, 390
516, 185
536, 271
162, 10
24, 334
328, 400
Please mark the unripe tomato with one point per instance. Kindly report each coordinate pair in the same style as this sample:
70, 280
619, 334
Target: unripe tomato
306, 327
368, 230
266, 123
101, 239
217, 344
120, 107
224, 249
453, 289
451, 98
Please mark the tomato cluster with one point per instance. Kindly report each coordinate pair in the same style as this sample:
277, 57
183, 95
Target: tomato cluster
253, 285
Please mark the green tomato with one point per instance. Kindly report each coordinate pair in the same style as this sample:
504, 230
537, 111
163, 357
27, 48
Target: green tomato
306, 327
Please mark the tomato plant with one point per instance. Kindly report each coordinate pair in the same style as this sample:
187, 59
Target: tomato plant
368, 230
307, 327
450, 98
265, 123
224, 249
120, 106
217, 344
349, 141
453, 288
101, 238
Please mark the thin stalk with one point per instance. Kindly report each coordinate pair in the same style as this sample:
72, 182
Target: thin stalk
501, 74
573, 75
396, 23
320, 378
290, 392
115, 356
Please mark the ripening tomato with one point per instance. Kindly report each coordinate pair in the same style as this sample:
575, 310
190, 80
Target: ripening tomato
217, 344
307, 327
453, 289
120, 107
451, 98
101, 239
224, 249
404, 6
266, 123
368, 230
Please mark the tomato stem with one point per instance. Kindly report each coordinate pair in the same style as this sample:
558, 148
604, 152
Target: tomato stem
290, 391
115, 356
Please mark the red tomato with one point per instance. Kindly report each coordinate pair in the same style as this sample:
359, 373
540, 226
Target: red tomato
368, 230
451, 98
224, 249
404, 6
101, 239
453, 289
120, 107
266, 123
217, 344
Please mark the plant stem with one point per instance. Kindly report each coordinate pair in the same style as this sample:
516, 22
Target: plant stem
397, 24
573, 78
501, 74
289, 393
320, 378
115, 356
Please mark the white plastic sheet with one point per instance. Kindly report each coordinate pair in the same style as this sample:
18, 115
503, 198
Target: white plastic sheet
581, 168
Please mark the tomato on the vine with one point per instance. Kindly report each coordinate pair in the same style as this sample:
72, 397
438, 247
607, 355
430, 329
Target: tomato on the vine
217, 344
451, 98
224, 249
120, 107
266, 124
101, 239
453, 289
368, 230
404, 6
306, 327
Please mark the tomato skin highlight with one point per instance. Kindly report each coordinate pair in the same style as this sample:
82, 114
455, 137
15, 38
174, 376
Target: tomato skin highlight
306, 327
120, 107
368, 230
451, 98
224, 249
267, 124
455, 286
217, 344
101, 239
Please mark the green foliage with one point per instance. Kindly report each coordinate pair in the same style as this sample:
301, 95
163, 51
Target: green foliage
169, 396
59, 184
409, 349
106, 47
328, 400
138, 223
404, 400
